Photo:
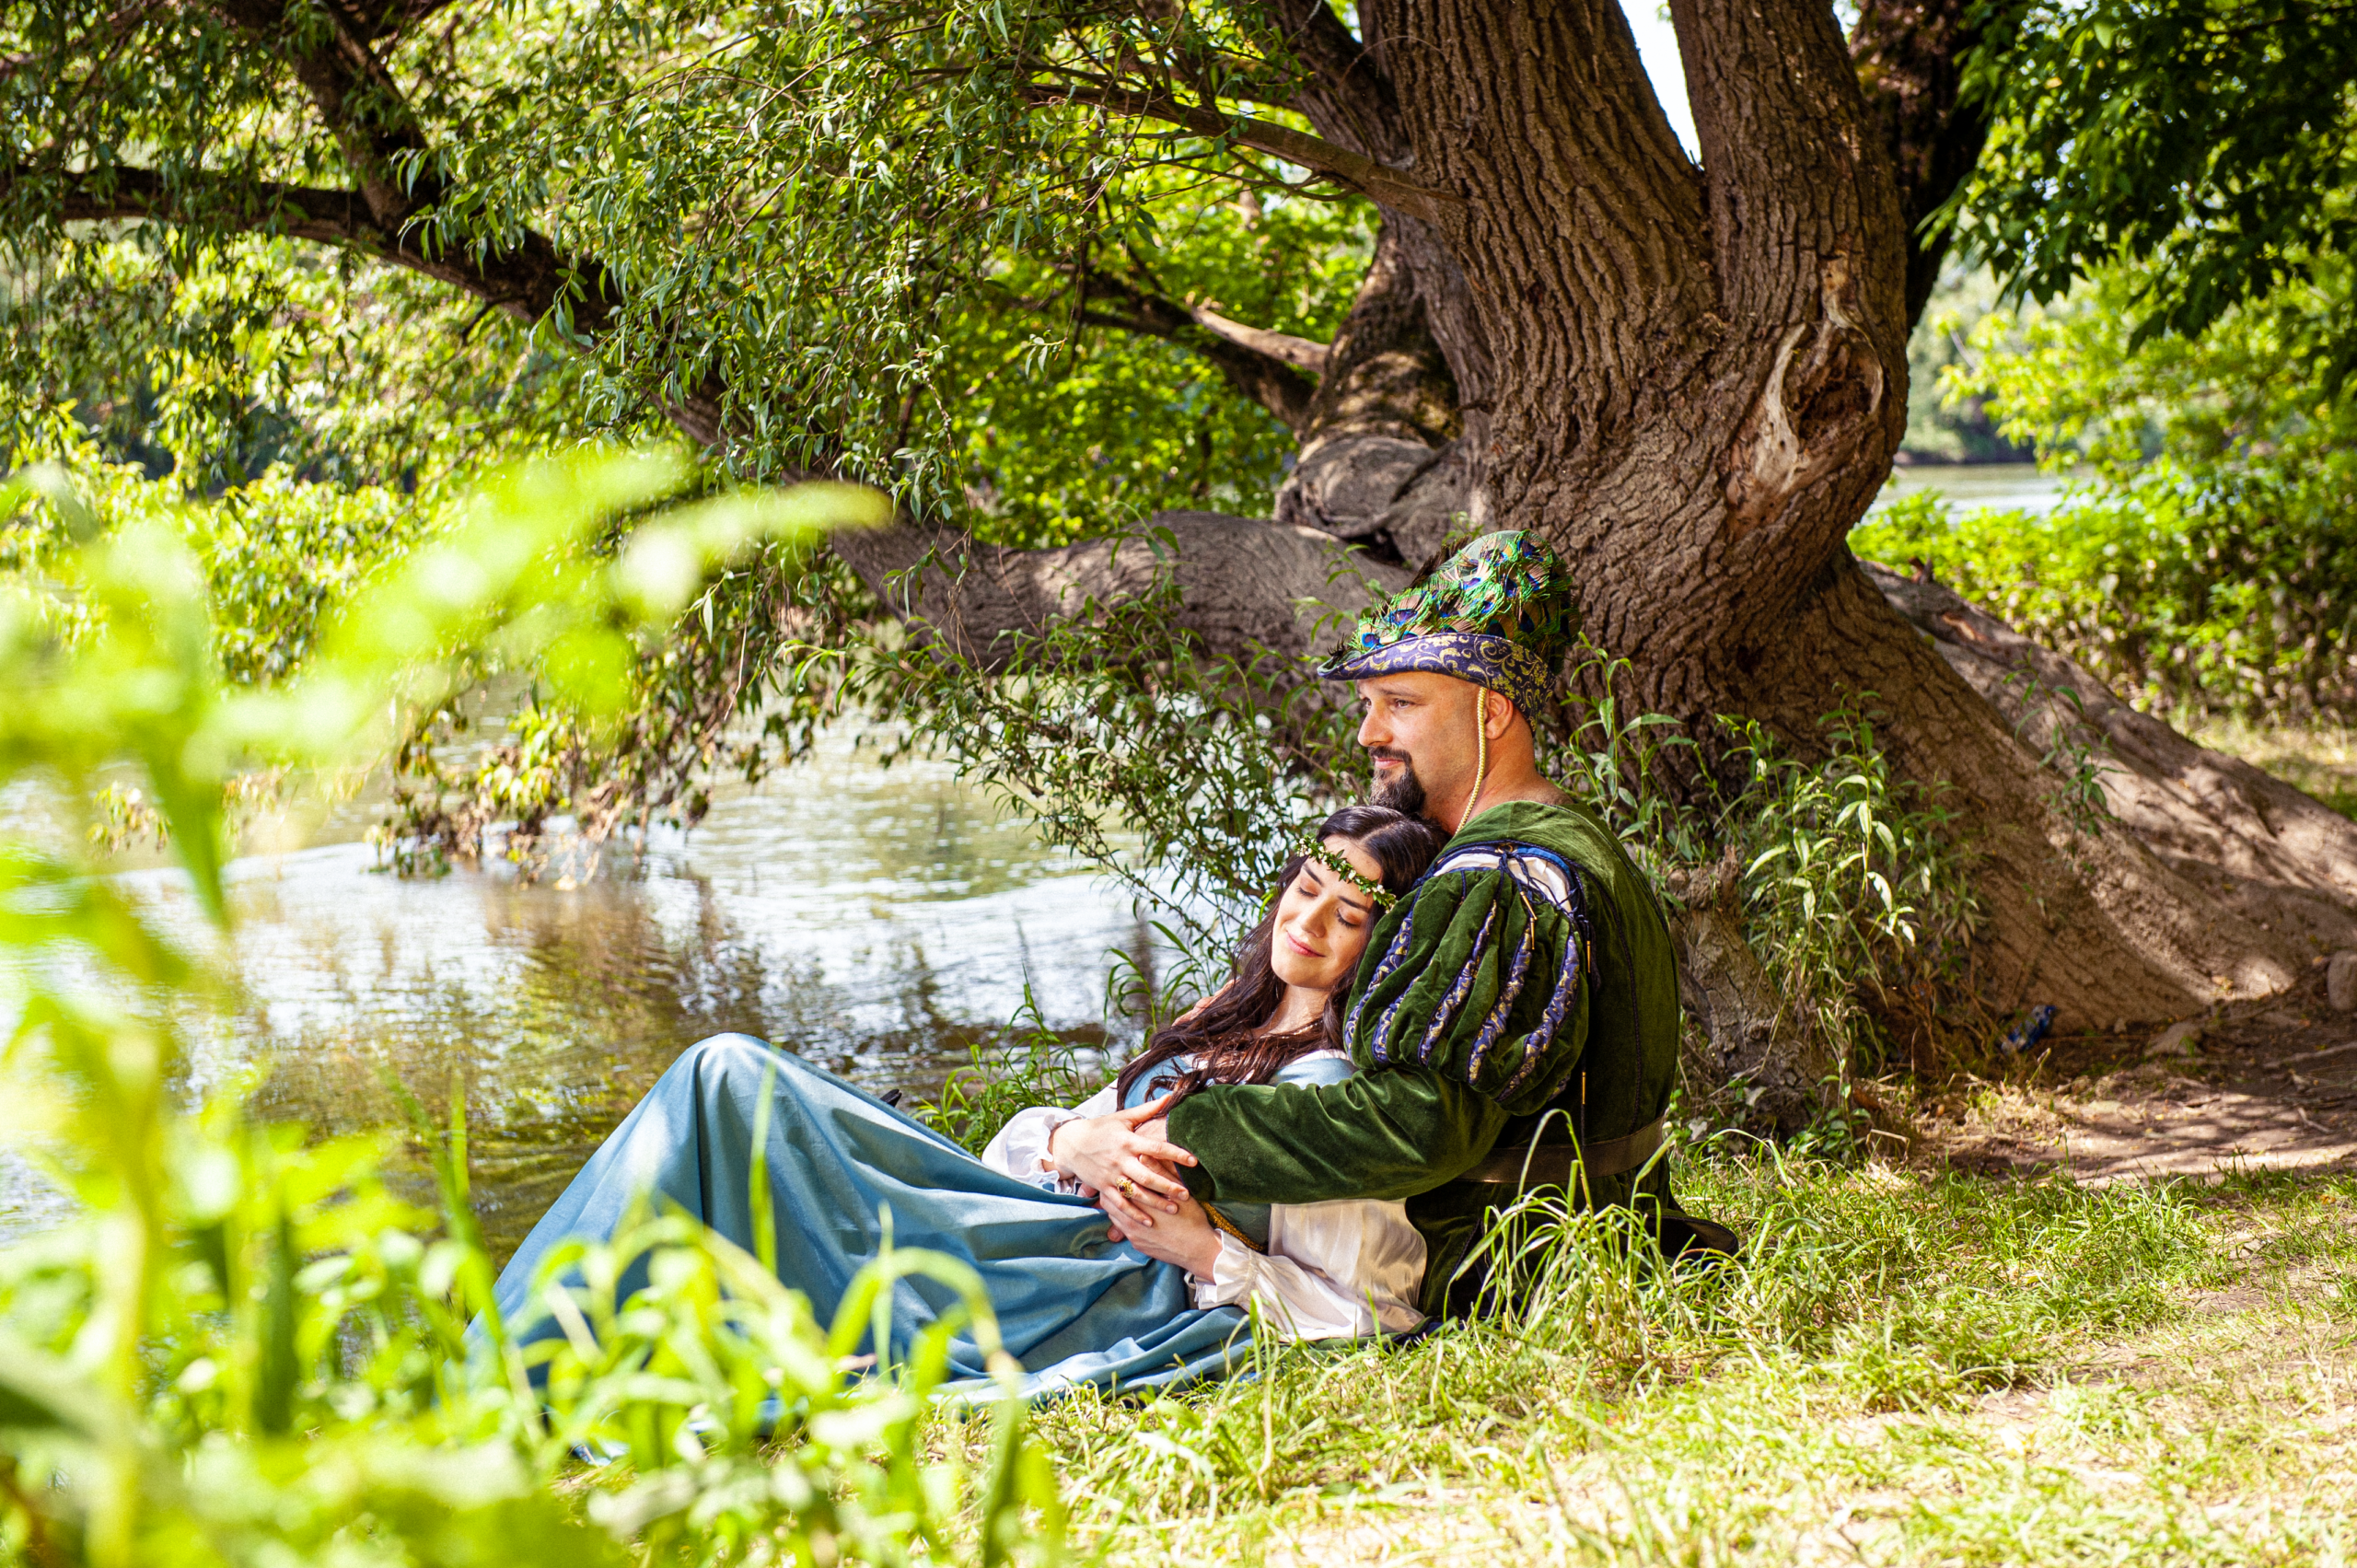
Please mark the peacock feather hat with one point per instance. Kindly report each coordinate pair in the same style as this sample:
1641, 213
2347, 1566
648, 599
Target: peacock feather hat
1495, 613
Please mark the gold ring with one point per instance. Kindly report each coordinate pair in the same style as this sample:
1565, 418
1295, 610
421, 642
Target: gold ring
1127, 1186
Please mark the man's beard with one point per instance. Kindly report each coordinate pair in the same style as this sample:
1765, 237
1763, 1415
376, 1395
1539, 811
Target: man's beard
1402, 791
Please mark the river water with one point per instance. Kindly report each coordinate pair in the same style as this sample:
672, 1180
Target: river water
2003, 486
882, 922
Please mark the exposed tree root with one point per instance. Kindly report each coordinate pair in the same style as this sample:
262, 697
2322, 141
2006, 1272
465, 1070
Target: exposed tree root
2283, 860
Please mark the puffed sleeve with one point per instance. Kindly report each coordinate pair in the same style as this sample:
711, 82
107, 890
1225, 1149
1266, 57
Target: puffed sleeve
1332, 1270
1480, 980
1020, 1149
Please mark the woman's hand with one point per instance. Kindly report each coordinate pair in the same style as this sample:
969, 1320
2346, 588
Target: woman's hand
1128, 1171
1186, 1239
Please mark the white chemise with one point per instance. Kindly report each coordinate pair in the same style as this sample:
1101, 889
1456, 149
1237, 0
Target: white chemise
1333, 1270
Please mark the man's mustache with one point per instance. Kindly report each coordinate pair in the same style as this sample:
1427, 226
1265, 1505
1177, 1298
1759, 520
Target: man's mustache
1389, 754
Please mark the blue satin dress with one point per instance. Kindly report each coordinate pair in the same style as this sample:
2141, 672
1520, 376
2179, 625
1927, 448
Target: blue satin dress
1073, 1307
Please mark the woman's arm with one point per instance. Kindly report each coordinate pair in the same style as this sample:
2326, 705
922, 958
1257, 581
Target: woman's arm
1020, 1149
1333, 1270
1373, 1290
1295, 1302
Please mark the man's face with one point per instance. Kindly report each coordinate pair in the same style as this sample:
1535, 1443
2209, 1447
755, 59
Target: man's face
1418, 733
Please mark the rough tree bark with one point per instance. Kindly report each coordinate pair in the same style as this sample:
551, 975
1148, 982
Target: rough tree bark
1691, 380
1247, 586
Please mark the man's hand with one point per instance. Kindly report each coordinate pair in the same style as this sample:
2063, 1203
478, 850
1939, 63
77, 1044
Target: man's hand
1186, 1239
1116, 1206
1124, 1169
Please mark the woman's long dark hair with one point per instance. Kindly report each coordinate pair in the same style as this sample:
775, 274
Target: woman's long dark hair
1220, 1035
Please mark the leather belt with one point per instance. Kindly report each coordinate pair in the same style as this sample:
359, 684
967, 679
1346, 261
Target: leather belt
1551, 1165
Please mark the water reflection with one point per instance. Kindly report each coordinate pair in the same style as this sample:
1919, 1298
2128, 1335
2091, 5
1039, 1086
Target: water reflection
1967, 486
880, 921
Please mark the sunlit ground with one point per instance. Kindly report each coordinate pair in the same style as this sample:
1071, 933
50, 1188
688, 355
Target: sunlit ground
1919, 1367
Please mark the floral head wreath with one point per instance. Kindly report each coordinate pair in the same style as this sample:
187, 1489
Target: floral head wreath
1377, 894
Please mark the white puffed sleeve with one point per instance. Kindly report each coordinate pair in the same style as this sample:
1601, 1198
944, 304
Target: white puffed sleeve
1333, 1270
1021, 1147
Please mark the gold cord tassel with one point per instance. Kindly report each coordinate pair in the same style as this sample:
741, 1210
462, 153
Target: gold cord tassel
1482, 758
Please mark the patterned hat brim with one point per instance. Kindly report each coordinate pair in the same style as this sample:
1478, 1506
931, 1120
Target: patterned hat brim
1495, 663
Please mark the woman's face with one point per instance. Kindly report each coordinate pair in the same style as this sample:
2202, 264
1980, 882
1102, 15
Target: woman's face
1322, 922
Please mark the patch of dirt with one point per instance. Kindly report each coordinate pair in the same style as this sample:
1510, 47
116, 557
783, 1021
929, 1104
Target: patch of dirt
2267, 1086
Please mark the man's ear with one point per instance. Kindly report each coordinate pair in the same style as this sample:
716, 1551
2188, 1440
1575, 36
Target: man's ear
1499, 716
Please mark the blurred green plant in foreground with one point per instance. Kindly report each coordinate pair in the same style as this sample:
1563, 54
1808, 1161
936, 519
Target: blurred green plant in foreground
243, 1349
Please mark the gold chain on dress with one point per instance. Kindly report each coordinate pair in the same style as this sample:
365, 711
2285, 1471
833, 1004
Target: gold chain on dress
1222, 1223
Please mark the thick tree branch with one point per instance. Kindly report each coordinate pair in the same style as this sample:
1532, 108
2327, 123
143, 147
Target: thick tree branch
1247, 584
1370, 178
526, 281
1380, 463
1349, 98
1277, 380
361, 105
1806, 248
1909, 56
1580, 264
1302, 354
1789, 160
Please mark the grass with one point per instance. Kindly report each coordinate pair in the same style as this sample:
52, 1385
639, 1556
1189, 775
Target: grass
1912, 1368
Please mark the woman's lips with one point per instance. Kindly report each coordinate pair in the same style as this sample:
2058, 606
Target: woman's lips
1304, 949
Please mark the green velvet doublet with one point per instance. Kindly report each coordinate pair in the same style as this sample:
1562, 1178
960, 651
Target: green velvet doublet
1525, 988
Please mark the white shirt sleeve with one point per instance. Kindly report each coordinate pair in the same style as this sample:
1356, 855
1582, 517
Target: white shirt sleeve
1339, 1269
1021, 1147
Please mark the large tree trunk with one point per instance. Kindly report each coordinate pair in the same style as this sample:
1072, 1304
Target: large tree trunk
1695, 382
1691, 380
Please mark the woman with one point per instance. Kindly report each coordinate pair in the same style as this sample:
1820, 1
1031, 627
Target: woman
1074, 1303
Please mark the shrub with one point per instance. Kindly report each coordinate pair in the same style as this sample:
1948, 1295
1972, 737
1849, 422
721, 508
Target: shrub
2190, 595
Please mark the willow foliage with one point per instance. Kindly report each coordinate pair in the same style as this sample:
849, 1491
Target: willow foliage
841, 228
2209, 142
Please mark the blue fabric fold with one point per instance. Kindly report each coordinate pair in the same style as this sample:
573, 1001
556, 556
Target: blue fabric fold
1073, 1307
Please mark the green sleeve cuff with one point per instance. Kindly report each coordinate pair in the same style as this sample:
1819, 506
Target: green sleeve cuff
1386, 1134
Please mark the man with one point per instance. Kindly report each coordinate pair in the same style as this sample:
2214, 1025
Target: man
1515, 1019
